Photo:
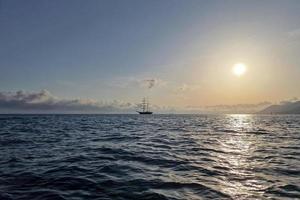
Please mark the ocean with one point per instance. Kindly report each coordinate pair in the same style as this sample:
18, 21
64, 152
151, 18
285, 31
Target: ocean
159, 157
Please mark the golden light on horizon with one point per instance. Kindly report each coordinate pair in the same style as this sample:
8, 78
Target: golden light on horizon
239, 69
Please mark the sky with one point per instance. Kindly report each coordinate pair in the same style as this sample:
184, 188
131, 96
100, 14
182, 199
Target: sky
101, 55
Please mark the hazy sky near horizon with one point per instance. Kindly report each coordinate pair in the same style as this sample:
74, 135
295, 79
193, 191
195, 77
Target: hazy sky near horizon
178, 53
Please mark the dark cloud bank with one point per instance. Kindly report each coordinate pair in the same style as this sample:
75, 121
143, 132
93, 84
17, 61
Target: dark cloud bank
45, 102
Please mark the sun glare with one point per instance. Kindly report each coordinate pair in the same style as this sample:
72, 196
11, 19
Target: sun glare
239, 69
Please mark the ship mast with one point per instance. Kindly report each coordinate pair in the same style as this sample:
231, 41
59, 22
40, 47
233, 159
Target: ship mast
144, 105
147, 106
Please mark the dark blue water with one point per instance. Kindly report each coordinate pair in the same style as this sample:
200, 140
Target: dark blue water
149, 157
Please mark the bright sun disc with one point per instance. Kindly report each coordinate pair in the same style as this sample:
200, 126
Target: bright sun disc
239, 69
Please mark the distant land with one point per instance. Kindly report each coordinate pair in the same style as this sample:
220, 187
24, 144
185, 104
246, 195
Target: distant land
285, 108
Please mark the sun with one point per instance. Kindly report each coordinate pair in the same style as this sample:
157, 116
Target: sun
239, 69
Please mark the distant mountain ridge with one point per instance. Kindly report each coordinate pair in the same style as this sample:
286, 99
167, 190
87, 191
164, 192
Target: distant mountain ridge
286, 108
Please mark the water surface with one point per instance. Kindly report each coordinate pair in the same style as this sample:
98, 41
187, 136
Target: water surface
149, 157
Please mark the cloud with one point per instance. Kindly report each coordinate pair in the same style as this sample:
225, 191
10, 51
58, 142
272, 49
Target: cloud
149, 83
45, 102
152, 82
237, 108
294, 33
133, 82
289, 101
186, 87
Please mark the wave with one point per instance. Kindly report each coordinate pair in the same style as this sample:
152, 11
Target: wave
165, 157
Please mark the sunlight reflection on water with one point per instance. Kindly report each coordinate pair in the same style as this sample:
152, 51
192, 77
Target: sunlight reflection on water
242, 181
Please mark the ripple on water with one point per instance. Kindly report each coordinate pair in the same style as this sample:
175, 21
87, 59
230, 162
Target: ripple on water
163, 157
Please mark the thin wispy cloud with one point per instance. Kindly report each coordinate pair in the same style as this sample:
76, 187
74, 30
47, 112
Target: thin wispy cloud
149, 83
238, 108
186, 87
136, 82
289, 101
294, 33
152, 82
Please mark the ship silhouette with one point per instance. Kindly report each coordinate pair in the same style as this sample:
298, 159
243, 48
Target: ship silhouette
144, 107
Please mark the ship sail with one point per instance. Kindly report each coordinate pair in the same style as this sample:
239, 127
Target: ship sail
145, 107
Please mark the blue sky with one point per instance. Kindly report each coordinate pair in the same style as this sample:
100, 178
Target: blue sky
67, 40
106, 50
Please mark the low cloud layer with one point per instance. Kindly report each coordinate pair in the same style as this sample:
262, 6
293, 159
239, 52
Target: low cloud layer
289, 101
238, 108
45, 102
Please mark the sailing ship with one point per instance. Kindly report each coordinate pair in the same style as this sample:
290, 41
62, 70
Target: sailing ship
145, 108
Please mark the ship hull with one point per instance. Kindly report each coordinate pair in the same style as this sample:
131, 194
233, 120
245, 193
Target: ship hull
145, 113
